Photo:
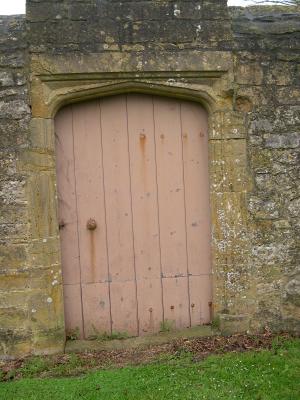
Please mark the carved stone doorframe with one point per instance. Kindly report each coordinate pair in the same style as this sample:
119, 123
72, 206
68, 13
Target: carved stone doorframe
229, 181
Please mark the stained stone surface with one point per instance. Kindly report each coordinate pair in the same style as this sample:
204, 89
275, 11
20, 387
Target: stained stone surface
247, 60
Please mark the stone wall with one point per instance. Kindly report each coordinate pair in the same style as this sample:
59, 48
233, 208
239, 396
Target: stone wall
267, 75
30, 320
244, 63
91, 26
14, 121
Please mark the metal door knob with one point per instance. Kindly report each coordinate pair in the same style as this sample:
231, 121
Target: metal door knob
91, 224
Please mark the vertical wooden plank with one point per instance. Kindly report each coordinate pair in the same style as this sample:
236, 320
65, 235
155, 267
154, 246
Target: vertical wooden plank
196, 178
96, 309
145, 210
150, 305
170, 187
200, 297
171, 203
90, 191
176, 301
124, 307
118, 212
73, 314
143, 181
67, 215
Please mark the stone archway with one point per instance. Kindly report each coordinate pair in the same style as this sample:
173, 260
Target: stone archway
229, 181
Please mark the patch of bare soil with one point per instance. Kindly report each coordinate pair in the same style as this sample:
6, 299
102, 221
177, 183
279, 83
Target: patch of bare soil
79, 363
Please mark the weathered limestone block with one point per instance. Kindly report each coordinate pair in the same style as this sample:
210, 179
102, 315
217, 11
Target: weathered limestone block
14, 317
281, 73
228, 125
6, 78
230, 324
46, 308
42, 134
288, 95
12, 256
264, 209
293, 290
122, 62
45, 253
42, 200
294, 208
14, 109
229, 166
13, 133
83, 28
230, 235
249, 73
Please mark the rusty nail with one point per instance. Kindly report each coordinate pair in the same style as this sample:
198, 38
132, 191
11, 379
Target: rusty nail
150, 309
142, 135
61, 224
192, 305
172, 307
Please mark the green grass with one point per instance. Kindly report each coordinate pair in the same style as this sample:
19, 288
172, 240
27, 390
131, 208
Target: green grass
263, 375
102, 337
37, 366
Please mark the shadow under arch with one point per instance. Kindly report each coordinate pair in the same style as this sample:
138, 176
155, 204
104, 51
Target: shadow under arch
77, 95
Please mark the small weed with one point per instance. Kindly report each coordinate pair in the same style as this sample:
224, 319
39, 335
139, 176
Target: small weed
73, 334
10, 375
104, 336
48, 367
181, 354
34, 366
166, 326
118, 335
278, 344
73, 366
215, 323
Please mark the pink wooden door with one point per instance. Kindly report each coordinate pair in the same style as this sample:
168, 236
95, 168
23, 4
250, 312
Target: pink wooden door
133, 197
